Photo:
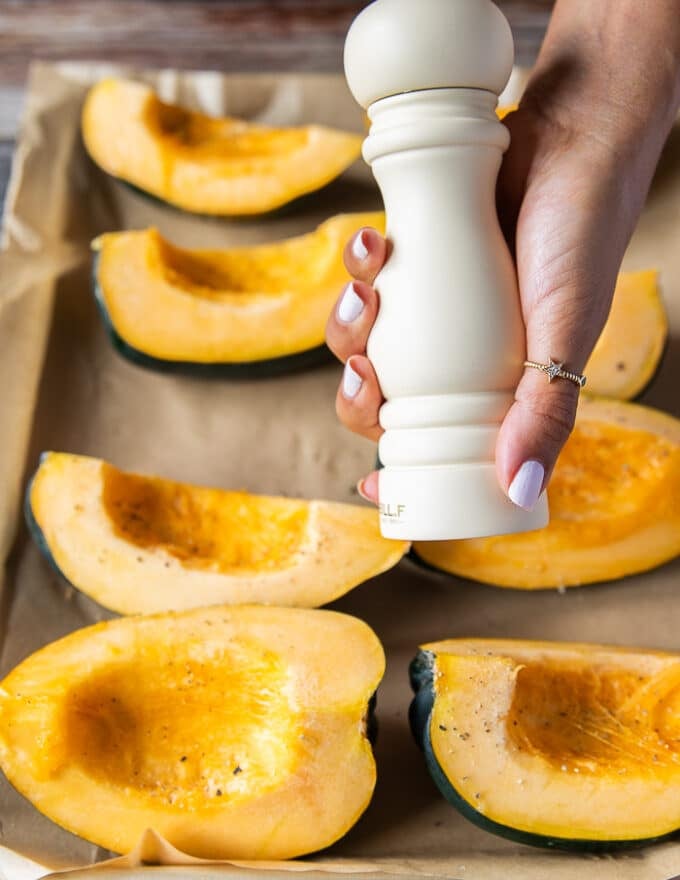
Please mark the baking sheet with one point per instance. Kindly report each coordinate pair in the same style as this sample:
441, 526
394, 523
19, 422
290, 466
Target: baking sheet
64, 388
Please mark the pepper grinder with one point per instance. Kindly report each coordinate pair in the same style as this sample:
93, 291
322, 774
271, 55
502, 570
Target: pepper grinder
448, 345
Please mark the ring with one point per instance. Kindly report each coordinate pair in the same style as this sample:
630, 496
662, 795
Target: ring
556, 371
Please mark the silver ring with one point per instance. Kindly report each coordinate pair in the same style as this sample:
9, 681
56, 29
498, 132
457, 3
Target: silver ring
555, 371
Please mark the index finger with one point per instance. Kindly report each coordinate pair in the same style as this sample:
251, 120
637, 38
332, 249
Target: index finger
365, 254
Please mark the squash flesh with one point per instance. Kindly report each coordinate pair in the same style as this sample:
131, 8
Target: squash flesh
562, 742
211, 138
303, 263
204, 528
139, 544
605, 468
628, 351
223, 729
588, 720
120, 725
203, 164
614, 508
231, 306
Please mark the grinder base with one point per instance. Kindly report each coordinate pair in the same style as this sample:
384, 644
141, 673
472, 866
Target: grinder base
446, 502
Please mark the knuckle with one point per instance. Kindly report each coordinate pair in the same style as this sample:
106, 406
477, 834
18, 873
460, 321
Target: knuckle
333, 336
359, 417
556, 414
574, 293
341, 405
557, 427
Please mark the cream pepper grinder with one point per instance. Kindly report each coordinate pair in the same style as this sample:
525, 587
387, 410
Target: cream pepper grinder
448, 345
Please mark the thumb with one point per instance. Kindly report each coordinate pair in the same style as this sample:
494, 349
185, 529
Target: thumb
562, 327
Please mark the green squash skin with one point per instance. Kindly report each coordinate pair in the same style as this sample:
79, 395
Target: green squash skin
371, 720
420, 715
298, 205
265, 369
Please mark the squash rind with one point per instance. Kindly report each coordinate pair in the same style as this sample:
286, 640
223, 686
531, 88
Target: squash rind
341, 548
422, 676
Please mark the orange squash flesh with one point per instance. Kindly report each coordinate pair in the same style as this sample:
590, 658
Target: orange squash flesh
554, 744
614, 508
234, 306
198, 529
629, 350
220, 166
233, 732
140, 544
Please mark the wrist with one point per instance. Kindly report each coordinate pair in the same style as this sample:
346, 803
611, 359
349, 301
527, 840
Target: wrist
610, 72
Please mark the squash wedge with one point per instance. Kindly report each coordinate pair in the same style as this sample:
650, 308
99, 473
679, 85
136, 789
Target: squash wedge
263, 310
553, 744
207, 165
629, 350
614, 508
247, 311
233, 732
139, 544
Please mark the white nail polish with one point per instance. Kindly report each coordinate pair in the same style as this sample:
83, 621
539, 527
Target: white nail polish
360, 490
351, 381
359, 249
526, 486
351, 305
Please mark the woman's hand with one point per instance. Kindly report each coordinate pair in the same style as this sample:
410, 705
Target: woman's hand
570, 191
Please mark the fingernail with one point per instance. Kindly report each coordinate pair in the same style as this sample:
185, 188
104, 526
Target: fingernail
359, 249
526, 486
351, 381
351, 305
361, 490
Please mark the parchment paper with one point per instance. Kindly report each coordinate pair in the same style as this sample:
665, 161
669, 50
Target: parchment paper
64, 388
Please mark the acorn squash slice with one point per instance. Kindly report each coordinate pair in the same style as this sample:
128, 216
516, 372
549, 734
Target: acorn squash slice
233, 732
614, 508
139, 544
203, 164
262, 310
246, 311
564, 745
630, 347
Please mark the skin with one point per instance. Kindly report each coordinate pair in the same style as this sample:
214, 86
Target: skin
586, 139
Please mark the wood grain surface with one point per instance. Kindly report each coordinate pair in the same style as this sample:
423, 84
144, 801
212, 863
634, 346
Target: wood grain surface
227, 35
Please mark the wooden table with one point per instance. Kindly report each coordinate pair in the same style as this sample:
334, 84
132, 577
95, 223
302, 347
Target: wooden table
228, 35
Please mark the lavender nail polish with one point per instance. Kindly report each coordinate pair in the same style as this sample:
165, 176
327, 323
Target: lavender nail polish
526, 486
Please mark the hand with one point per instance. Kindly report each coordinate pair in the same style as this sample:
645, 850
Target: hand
570, 190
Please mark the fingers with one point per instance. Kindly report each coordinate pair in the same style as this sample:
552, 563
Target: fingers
359, 398
355, 312
532, 435
365, 255
351, 320
562, 326
368, 487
